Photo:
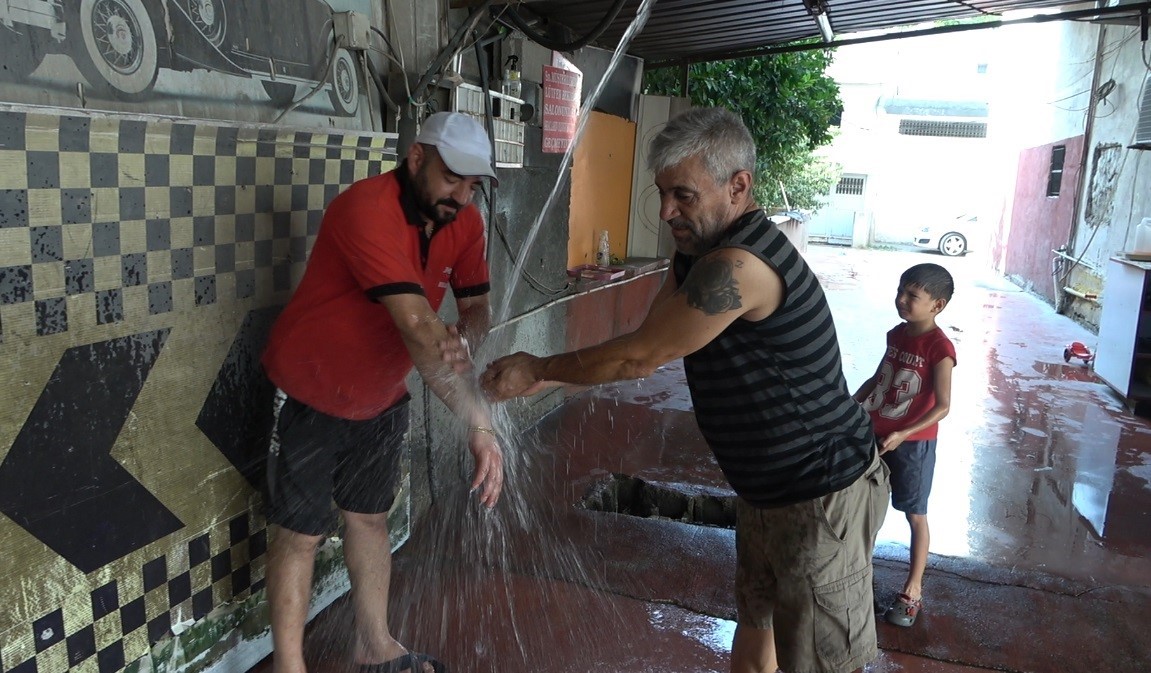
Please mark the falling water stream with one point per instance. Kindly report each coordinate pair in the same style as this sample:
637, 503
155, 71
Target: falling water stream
637, 25
512, 573
473, 585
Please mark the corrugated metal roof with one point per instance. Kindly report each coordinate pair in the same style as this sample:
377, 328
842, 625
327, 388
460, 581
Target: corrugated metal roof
699, 30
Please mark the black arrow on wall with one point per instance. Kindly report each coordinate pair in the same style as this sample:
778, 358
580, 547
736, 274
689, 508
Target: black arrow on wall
237, 414
59, 481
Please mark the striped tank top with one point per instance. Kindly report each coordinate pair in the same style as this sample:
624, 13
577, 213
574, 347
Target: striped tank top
770, 397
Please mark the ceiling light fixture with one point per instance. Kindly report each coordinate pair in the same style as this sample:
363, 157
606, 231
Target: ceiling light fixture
818, 10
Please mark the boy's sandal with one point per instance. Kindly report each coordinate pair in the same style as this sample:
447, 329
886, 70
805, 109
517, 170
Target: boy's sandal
904, 610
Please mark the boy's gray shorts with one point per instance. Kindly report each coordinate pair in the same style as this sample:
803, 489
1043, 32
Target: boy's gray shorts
912, 466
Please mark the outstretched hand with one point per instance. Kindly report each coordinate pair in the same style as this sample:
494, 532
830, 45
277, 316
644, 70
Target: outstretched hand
489, 472
511, 376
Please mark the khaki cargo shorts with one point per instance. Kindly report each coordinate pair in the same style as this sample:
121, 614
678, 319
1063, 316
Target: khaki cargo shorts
804, 570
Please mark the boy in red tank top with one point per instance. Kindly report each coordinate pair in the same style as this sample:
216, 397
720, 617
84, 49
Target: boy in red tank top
907, 396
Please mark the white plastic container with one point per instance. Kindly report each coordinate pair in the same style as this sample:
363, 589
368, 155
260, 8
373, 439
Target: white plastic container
1142, 245
603, 252
512, 85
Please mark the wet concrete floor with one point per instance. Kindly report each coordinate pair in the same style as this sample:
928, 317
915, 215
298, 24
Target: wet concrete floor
1040, 516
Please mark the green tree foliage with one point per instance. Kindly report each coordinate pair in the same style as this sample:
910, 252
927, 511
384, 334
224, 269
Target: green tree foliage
787, 102
807, 179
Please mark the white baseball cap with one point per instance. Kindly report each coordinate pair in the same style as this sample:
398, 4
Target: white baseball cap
462, 143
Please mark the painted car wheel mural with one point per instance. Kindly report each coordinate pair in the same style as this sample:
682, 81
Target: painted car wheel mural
117, 51
209, 18
345, 81
120, 46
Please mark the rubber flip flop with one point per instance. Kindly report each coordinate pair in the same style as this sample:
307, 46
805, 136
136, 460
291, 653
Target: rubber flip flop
903, 611
411, 662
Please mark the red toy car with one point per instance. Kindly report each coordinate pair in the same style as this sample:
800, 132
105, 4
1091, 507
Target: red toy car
1078, 350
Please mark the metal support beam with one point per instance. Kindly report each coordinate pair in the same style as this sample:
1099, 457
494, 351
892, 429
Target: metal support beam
818, 11
1132, 11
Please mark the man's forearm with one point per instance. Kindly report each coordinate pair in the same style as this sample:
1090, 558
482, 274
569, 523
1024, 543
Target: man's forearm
615, 360
474, 324
462, 397
457, 393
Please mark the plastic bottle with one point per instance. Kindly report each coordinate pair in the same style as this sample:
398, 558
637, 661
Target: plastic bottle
1143, 237
512, 86
603, 253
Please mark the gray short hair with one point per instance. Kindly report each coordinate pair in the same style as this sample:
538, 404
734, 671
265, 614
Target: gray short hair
718, 136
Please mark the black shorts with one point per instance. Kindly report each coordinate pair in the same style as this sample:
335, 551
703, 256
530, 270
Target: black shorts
912, 466
315, 459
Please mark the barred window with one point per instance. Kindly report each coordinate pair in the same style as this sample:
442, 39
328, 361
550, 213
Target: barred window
926, 127
1055, 173
851, 185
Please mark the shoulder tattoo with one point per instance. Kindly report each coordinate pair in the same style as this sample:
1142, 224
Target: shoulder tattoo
711, 286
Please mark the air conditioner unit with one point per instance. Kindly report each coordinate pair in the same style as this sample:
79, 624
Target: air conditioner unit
1143, 125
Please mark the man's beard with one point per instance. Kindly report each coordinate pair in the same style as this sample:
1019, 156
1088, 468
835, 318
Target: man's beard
428, 208
432, 210
703, 239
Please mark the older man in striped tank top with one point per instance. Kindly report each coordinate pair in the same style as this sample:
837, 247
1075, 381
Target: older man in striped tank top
755, 332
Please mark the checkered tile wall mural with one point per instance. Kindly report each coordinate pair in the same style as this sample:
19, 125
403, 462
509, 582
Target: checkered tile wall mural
115, 623
156, 214
142, 261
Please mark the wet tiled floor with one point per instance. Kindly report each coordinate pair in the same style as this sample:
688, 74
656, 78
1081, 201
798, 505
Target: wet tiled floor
1040, 517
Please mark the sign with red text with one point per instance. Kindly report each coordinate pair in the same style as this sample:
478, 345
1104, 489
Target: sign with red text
560, 108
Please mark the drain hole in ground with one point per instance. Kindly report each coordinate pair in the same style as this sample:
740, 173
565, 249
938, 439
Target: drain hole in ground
686, 503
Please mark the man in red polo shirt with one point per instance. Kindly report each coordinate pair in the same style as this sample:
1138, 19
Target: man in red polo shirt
363, 315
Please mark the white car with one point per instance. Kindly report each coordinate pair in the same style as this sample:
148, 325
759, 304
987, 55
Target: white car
950, 237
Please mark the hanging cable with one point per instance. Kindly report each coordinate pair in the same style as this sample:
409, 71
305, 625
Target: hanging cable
446, 54
364, 60
545, 41
391, 53
337, 43
489, 122
379, 80
400, 53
